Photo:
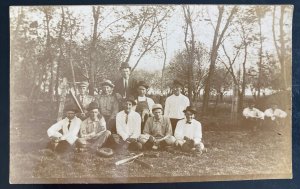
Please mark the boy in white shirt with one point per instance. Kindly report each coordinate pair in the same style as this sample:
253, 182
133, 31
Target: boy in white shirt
63, 134
252, 116
128, 125
275, 115
176, 104
188, 132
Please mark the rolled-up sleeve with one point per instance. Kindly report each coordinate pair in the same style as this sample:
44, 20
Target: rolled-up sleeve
179, 132
53, 131
137, 126
169, 131
147, 126
120, 128
198, 133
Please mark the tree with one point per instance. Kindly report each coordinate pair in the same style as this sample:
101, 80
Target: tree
190, 48
260, 13
146, 23
218, 37
281, 45
177, 69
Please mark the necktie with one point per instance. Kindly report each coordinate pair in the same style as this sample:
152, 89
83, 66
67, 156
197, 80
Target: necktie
126, 118
126, 83
126, 86
69, 125
81, 99
188, 122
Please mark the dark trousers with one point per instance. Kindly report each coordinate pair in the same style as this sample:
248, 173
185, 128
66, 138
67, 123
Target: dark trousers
110, 124
59, 147
174, 123
116, 142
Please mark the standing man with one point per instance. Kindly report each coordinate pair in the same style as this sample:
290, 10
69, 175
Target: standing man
158, 130
144, 104
84, 99
252, 116
125, 86
93, 133
63, 134
188, 132
108, 104
128, 124
175, 104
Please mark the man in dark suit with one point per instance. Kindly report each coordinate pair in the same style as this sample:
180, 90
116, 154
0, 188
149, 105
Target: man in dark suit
126, 85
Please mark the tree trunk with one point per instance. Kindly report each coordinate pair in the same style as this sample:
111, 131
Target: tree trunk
260, 60
48, 54
282, 49
243, 86
96, 13
214, 53
60, 55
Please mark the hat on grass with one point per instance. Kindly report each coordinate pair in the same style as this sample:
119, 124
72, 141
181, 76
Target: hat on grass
105, 152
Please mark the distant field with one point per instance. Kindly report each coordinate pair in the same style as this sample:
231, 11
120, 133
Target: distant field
231, 151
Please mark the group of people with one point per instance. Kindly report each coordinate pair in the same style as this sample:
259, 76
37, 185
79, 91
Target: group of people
123, 117
254, 118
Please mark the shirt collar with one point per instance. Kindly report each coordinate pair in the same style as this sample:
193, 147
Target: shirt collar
159, 120
185, 121
91, 121
67, 119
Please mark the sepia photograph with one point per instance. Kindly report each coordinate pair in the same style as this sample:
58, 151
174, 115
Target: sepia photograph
150, 93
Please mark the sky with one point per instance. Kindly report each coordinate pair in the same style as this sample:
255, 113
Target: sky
175, 35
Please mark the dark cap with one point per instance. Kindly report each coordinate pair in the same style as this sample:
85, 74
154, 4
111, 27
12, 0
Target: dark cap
190, 109
83, 84
177, 83
71, 107
124, 65
251, 102
130, 99
92, 106
142, 83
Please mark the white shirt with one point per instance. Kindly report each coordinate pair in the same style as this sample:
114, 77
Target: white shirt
70, 135
192, 131
175, 105
275, 113
131, 129
254, 113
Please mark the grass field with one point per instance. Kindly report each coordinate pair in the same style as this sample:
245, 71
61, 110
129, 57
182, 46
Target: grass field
233, 152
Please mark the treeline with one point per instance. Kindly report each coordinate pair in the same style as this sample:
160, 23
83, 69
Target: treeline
50, 43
